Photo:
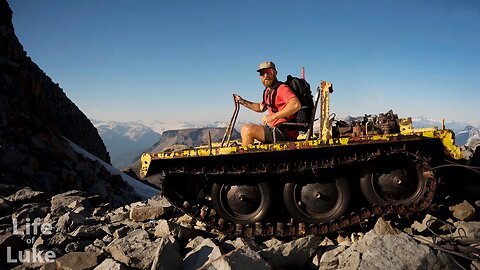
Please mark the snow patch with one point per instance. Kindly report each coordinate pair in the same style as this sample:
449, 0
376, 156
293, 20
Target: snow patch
143, 191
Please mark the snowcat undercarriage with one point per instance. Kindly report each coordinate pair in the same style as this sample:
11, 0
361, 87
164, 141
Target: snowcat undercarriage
324, 183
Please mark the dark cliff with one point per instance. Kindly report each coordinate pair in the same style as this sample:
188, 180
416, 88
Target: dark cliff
31, 102
35, 118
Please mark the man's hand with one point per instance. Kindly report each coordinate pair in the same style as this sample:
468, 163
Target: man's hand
267, 119
238, 98
250, 105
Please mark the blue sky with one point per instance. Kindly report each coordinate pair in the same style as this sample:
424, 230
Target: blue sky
182, 60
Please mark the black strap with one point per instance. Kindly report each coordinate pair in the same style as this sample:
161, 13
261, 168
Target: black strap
271, 95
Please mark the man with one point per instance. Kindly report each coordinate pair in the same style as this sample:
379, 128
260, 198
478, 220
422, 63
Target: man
282, 104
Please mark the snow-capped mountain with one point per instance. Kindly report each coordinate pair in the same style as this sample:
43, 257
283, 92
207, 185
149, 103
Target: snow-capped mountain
163, 126
466, 133
125, 140
469, 136
455, 126
462, 137
160, 126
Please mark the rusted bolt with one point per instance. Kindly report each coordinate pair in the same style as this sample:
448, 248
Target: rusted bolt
397, 180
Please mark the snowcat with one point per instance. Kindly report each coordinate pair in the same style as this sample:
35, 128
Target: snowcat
332, 177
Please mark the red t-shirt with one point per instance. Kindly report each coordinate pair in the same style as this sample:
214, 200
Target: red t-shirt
283, 95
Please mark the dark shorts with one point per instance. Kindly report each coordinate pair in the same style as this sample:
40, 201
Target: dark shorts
280, 134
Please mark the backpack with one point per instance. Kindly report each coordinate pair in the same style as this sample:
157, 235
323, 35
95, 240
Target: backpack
301, 88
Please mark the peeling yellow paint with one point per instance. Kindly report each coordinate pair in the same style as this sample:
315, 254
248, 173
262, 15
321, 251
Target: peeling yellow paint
447, 137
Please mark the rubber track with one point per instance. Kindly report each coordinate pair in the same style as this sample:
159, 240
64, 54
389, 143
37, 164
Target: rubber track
201, 212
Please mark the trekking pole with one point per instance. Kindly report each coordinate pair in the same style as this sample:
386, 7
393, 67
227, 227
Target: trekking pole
237, 106
229, 130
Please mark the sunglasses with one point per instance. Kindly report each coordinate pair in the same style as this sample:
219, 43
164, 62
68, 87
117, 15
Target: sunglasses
268, 71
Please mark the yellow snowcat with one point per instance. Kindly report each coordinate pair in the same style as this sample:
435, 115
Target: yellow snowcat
333, 177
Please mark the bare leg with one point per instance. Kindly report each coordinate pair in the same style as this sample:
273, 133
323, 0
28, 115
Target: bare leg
250, 132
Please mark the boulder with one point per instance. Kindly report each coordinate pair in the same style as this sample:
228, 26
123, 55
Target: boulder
29, 212
201, 255
293, 254
110, 264
238, 259
385, 248
27, 195
165, 228
60, 239
88, 232
463, 211
329, 258
146, 212
159, 200
167, 255
119, 214
79, 260
66, 198
195, 242
69, 222
396, 252
121, 232
134, 250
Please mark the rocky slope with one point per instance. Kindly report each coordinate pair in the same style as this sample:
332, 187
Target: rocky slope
31, 103
35, 118
38, 125
77, 231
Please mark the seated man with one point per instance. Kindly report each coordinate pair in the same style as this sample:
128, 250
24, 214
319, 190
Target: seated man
282, 104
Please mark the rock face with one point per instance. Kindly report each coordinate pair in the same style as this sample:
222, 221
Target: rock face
39, 166
35, 118
190, 137
32, 106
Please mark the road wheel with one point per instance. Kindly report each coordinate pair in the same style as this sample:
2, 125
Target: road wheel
317, 202
243, 204
395, 180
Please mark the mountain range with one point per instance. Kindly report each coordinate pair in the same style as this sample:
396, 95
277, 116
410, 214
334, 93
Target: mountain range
455, 126
126, 141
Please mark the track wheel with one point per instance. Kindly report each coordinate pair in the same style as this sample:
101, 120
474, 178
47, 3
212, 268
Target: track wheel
243, 204
317, 202
396, 180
